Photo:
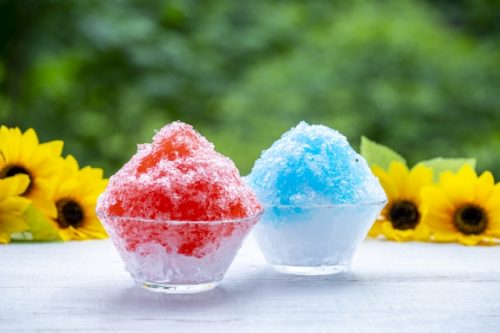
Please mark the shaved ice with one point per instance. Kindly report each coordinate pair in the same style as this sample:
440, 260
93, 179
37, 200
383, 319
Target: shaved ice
320, 199
313, 165
178, 177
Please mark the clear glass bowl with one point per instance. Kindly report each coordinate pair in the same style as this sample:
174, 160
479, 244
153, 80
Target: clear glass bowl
314, 240
177, 256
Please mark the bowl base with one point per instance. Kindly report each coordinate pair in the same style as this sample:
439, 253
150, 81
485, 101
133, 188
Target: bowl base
176, 288
311, 270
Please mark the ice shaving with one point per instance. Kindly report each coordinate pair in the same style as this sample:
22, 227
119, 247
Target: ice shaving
320, 199
313, 165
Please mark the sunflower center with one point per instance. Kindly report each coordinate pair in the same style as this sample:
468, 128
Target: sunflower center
404, 215
13, 170
470, 220
69, 213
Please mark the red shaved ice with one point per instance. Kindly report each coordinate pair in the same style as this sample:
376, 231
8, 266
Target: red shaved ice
178, 177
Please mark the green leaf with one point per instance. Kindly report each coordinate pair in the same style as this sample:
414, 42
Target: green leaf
377, 154
40, 229
440, 164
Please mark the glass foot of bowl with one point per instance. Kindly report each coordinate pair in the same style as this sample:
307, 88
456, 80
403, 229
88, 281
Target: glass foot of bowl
177, 288
308, 270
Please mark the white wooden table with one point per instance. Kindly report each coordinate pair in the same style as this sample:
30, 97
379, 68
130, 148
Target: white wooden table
411, 287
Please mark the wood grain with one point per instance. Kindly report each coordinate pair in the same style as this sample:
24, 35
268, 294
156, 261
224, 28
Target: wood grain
411, 287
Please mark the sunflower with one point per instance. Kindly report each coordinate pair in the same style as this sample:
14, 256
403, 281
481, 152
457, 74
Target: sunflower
75, 196
464, 207
400, 219
12, 206
21, 153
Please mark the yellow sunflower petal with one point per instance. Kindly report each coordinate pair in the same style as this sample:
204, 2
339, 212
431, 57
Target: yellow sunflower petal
444, 237
439, 210
97, 235
71, 164
387, 183
67, 187
13, 186
439, 222
4, 238
399, 173
436, 200
493, 202
85, 233
484, 187
55, 146
376, 229
456, 188
26, 152
41, 198
493, 233
14, 205
419, 177
494, 225
29, 142
493, 210
91, 174
10, 144
422, 233
66, 234
469, 239
19, 183
489, 240
12, 223
30, 137
398, 235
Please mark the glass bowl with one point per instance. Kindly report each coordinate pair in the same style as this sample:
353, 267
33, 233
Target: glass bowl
314, 240
177, 256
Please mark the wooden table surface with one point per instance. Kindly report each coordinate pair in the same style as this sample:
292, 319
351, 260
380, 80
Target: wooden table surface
409, 287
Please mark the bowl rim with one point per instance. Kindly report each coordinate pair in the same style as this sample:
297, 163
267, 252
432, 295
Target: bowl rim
359, 204
103, 217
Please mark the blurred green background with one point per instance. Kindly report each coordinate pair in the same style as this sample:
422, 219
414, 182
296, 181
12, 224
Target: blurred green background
420, 76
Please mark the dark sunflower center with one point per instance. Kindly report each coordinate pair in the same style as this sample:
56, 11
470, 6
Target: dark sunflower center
470, 220
13, 170
69, 213
404, 215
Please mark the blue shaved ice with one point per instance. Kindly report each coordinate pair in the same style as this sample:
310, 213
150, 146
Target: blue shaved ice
313, 165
